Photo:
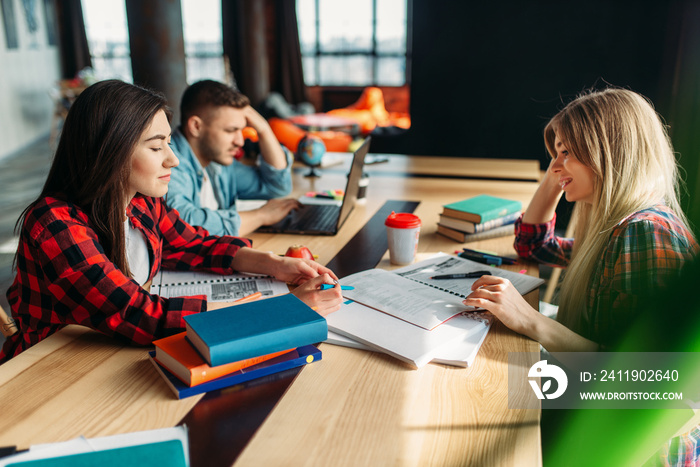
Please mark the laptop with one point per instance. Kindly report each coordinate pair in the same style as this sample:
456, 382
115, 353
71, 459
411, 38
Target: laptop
322, 219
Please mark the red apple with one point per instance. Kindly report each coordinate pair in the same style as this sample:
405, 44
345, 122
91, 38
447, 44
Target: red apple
299, 251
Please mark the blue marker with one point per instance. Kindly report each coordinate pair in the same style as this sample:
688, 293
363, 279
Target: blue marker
342, 287
484, 259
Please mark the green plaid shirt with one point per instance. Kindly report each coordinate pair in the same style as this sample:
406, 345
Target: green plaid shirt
645, 251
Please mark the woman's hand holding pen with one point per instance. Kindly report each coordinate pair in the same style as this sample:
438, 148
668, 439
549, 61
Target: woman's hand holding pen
307, 274
324, 302
299, 270
310, 276
501, 298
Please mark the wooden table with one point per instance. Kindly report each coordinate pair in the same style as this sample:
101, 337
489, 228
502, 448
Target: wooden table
352, 408
462, 167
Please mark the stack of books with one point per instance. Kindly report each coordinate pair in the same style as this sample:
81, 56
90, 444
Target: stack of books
478, 218
239, 343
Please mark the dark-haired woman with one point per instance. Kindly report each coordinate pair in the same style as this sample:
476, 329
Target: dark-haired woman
99, 231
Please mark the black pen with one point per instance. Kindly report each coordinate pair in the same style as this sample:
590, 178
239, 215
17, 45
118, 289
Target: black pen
465, 275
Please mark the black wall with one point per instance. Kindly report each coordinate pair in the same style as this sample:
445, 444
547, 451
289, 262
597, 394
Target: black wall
487, 76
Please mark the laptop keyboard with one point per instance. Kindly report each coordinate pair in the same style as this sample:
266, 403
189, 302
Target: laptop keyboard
317, 217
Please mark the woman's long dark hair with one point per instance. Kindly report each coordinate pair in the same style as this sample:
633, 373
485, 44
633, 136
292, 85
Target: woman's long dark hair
92, 163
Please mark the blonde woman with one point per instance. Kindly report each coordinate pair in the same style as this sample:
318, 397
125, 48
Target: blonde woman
611, 156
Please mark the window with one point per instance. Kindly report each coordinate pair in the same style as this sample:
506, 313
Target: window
358, 43
204, 53
108, 37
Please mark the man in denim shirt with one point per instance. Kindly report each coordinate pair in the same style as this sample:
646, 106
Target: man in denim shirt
206, 184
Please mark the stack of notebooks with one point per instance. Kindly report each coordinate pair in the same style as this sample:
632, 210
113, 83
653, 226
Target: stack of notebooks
410, 315
478, 218
236, 344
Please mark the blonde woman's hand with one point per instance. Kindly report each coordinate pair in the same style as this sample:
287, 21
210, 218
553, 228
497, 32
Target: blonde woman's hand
501, 298
324, 302
550, 181
543, 204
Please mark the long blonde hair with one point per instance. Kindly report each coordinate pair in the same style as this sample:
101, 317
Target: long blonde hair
620, 137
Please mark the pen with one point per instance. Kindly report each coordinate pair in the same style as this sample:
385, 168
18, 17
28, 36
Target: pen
465, 275
249, 298
481, 253
342, 287
484, 259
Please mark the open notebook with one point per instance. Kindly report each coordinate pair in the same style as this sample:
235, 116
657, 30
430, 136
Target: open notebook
411, 295
406, 314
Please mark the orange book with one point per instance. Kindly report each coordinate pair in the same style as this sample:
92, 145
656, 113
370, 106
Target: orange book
177, 355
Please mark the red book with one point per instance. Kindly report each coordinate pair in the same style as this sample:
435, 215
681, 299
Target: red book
177, 355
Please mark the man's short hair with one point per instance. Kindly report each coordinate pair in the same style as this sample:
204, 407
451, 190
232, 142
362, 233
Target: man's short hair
208, 93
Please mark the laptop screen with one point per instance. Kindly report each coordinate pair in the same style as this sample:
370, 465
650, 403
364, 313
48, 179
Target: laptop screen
353, 185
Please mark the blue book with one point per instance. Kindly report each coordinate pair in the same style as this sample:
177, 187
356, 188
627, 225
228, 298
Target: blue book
295, 358
255, 328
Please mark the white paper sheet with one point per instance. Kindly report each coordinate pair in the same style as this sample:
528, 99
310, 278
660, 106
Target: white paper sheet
402, 298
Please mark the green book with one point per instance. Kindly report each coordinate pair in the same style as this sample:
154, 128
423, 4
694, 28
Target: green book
481, 208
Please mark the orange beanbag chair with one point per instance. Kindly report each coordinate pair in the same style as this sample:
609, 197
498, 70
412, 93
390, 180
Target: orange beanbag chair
370, 112
290, 135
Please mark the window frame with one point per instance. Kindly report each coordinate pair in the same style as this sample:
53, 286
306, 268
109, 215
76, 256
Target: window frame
373, 54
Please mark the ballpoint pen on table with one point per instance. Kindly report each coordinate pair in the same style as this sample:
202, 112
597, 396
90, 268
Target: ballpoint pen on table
465, 275
342, 287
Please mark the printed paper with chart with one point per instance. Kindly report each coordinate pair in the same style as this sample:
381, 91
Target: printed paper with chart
403, 294
216, 287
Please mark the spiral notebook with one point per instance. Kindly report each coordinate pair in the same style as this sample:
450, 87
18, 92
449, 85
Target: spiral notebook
417, 319
447, 264
217, 288
410, 294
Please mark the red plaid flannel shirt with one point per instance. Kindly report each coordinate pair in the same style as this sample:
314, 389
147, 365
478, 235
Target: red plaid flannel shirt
63, 276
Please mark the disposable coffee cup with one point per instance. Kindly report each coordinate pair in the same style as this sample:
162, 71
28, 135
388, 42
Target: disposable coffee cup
402, 230
362, 187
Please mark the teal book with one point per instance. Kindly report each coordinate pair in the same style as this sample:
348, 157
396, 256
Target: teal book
255, 328
481, 208
168, 453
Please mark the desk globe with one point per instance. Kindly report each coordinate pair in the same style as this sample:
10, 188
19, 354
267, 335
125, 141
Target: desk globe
310, 151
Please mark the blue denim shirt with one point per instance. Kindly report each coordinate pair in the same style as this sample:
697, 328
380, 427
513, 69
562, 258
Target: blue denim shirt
229, 183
